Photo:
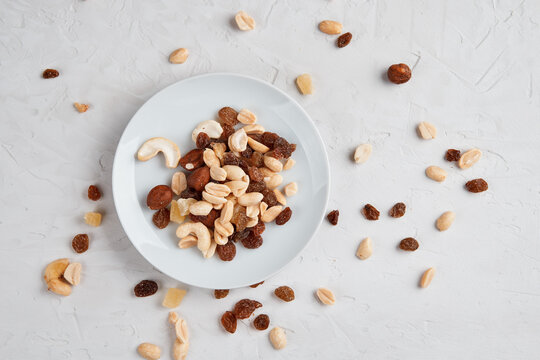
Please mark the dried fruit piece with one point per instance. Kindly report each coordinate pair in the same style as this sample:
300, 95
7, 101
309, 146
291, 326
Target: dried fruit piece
176, 214
228, 321
257, 284
333, 217
244, 21
476, 185
269, 197
365, 249
399, 73
445, 220
256, 186
179, 56
278, 338
159, 144
190, 194
362, 153
159, 197
326, 296
50, 73
261, 322
344, 40
173, 298
245, 307
227, 115
285, 293
230, 159
398, 210
228, 130
226, 252
408, 244
145, 288
149, 351
72, 274
80, 243
220, 294
370, 212
207, 220
193, 159
426, 131
427, 277
252, 241
469, 158
284, 216
436, 173
452, 155
255, 175
268, 139
203, 141
161, 218
92, 218
198, 179
81, 107
93, 193
256, 159
304, 84
330, 27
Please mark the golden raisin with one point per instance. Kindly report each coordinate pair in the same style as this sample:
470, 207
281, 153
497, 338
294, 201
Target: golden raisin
285, 293
228, 116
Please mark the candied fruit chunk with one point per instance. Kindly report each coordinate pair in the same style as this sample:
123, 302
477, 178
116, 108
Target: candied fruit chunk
93, 193
408, 244
228, 321
173, 298
285, 293
226, 252
92, 218
161, 218
452, 155
80, 243
284, 216
230, 159
261, 322
398, 210
333, 217
476, 185
221, 293
370, 212
145, 288
245, 308
176, 215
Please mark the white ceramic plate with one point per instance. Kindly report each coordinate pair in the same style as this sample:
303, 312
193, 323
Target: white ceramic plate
173, 113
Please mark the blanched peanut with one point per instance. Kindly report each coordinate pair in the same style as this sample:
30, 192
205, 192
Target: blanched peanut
274, 181
179, 182
289, 164
253, 198
201, 208
273, 164
280, 197
212, 199
290, 189
257, 146
210, 158
218, 173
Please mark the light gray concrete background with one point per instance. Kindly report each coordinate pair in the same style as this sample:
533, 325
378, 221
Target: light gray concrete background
475, 76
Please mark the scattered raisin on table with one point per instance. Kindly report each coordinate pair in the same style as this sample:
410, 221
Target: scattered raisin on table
261, 322
399, 73
221, 293
226, 252
245, 308
161, 218
93, 193
284, 216
452, 155
344, 40
145, 288
252, 241
257, 284
227, 115
285, 293
398, 210
50, 73
80, 243
408, 244
203, 140
476, 185
370, 212
333, 217
228, 321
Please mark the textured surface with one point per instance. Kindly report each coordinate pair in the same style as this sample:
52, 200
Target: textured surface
475, 76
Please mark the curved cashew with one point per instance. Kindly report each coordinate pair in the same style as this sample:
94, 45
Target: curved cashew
210, 251
187, 242
211, 127
220, 239
200, 231
238, 141
53, 277
154, 145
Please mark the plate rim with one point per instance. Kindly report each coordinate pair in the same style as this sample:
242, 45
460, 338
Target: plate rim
262, 82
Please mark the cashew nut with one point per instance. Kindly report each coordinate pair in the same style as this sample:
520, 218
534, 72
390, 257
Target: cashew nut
72, 274
234, 172
220, 239
198, 229
53, 277
187, 242
154, 145
210, 251
238, 141
211, 127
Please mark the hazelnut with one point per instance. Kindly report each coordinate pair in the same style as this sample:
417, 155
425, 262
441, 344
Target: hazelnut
399, 73
198, 179
159, 197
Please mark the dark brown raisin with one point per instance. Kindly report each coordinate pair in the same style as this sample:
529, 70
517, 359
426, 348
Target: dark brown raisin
258, 229
247, 153
93, 193
333, 217
198, 179
285, 293
240, 235
226, 252
399, 73
268, 139
228, 116
228, 130
476, 185
252, 241
192, 160
276, 153
452, 155
220, 294
284, 216
161, 218
145, 288
243, 163
245, 308
255, 174
207, 220
283, 149
398, 210
256, 186
256, 137
203, 140
408, 244
256, 159
228, 321
190, 194
159, 197
269, 197
370, 212
261, 322
230, 159
256, 285
50, 73
80, 243
344, 40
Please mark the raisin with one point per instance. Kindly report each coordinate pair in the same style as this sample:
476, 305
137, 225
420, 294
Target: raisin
240, 235
399, 73
228, 130
252, 241
230, 159
261, 322
50, 73
240, 218
80, 243
228, 321
207, 220
333, 217
284, 216
94, 193
145, 288
476, 185
243, 164
344, 40
269, 197
228, 116
268, 139
191, 194
255, 174
192, 160
408, 244
256, 285
398, 210
245, 308
256, 137
203, 140
258, 229
256, 159
220, 294
256, 186
452, 155
285, 293
283, 149
226, 252
161, 218
370, 212
159, 197
247, 153
276, 153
